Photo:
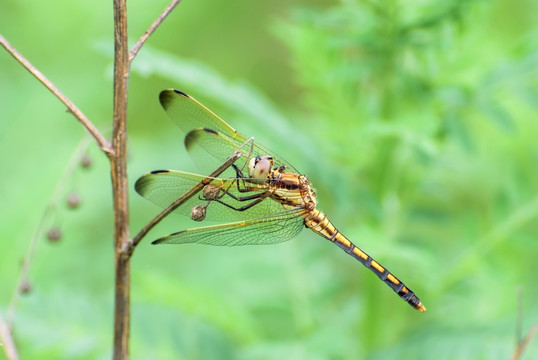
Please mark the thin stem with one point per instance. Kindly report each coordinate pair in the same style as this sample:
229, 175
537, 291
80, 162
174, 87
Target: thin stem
38, 232
194, 190
103, 144
136, 48
519, 318
8, 344
523, 344
118, 168
123, 248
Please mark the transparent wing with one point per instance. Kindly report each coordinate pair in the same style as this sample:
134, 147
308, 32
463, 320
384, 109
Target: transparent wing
189, 114
215, 136
267, 230
163, 187
209, 149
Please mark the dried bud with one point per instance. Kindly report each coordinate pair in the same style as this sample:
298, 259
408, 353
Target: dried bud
54, 234
198, 212
73, 201
25, 287
86, 162
211, 192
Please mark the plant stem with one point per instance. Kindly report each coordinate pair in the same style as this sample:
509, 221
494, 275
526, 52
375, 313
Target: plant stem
136, 48
523, 344
38, 232
116, 152
103, 144
9, 346
119, 183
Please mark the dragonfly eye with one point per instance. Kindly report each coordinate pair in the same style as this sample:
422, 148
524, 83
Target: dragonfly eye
259, 167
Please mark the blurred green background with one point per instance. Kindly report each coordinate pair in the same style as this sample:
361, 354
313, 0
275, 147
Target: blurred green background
416, 121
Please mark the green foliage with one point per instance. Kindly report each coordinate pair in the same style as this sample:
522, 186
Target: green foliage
414, 120
440, 137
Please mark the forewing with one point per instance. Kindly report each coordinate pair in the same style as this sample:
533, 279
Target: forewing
189, 114
209, 148
272, 229
163, 187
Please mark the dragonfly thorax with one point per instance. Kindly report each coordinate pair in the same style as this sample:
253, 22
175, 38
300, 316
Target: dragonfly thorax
259, 168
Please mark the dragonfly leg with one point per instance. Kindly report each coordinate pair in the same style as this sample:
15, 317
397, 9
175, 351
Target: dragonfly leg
259, 198
237, 198
224, 192
240, 178
238, 172
246, 198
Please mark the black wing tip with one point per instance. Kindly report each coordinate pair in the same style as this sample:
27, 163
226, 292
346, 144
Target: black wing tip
192, 135
142, 181
163, 239
166, 95
181, 93
160, 172
211, 131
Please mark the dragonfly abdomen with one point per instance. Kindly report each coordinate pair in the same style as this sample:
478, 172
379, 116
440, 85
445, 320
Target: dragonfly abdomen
319, 223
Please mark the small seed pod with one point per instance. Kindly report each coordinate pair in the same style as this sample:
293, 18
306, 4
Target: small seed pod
73, 201
25, 287
211, 192
198, 212
86, 162
54, 234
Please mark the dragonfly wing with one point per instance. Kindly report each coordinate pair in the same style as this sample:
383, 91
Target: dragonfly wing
272, 229
210, 148
163, 187
189, 114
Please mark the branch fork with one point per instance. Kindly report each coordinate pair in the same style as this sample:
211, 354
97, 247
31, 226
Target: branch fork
115, 150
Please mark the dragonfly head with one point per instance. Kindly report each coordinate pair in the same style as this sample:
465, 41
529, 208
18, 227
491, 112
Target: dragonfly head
259, 167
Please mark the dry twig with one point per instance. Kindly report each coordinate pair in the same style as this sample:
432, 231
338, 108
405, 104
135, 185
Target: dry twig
9, 346
120, 191
136, 48
521, 343
103, 144
38, 232
116, 152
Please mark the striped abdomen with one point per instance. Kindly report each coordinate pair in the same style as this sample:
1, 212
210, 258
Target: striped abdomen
319, 223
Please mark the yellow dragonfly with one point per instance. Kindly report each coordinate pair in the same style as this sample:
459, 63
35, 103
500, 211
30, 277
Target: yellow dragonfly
261, 197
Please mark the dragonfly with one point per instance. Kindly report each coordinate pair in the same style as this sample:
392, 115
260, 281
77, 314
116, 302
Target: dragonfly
260, 199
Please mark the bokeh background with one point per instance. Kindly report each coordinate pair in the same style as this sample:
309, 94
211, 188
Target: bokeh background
416, 121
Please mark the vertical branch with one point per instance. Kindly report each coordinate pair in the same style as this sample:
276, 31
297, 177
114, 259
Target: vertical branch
119, 183
116, 152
